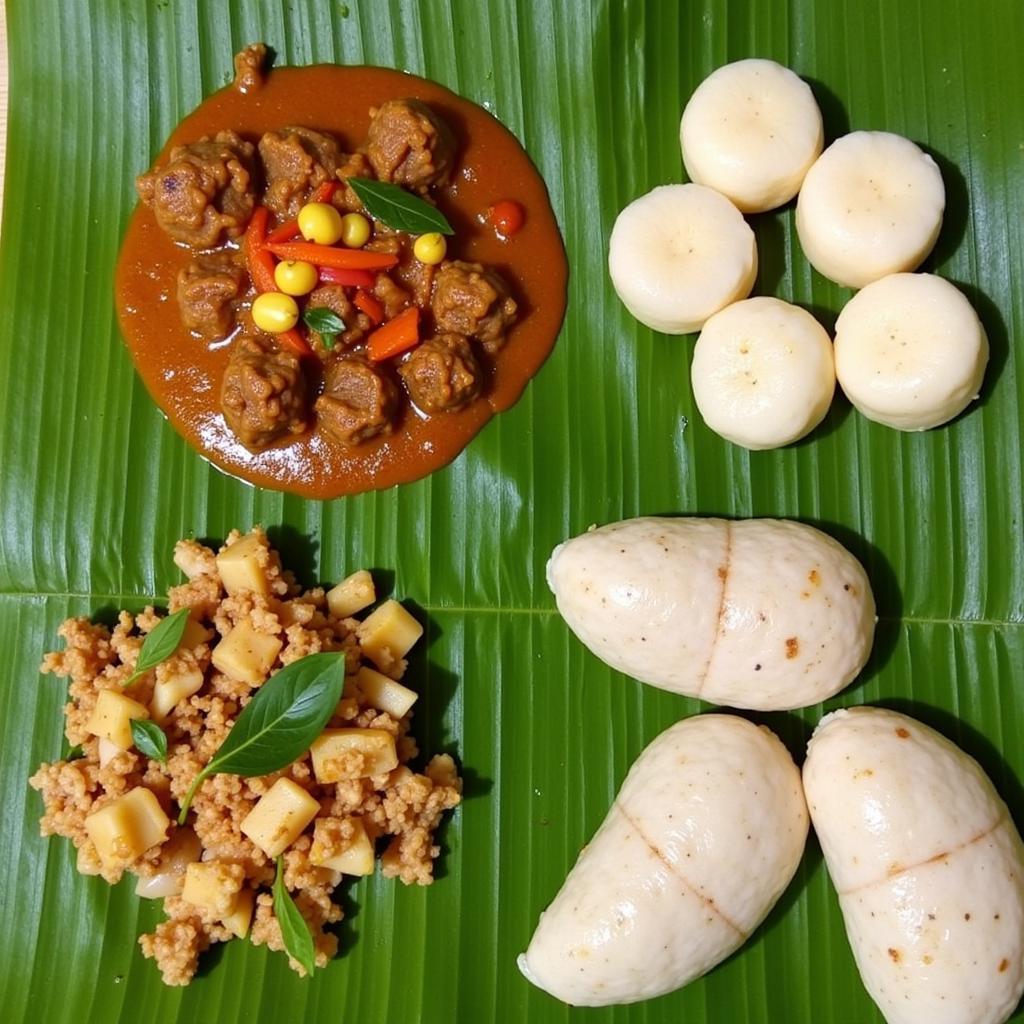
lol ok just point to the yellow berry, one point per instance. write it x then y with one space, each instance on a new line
275 312
430 248
320 223
295 277
355 230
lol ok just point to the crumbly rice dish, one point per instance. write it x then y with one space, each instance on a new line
213 877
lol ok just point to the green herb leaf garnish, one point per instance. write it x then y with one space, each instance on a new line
278 725
399 209
325 322
298 940
149 739
74 753
160 643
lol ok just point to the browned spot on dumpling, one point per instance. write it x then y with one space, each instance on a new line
1003 964
895 955
722 572
792 648
813 577
902 733
926 960
864 773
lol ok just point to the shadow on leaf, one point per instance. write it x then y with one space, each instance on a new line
956 214
298 551
834 118
998 341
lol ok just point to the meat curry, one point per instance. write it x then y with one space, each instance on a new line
284 303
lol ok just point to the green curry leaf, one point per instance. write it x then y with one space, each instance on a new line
278 725
149 739
160 643
298 940
326 323
399 209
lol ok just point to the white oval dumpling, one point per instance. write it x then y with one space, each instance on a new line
766 614
751 130
910 351
928 865
763 373
679 254
871 205
704 836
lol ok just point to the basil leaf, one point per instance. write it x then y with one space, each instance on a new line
75 753
280 723
160 643
399 209
325 322
298 940
149 739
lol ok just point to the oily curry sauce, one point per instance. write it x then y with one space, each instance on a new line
183 372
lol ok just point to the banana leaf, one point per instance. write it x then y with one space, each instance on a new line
95 486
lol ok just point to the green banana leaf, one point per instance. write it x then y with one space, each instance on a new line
95 487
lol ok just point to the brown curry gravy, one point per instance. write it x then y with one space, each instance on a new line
183 373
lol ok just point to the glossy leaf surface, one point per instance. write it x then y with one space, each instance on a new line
96 487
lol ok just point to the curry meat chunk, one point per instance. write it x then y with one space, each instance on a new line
442 374
358 401
297 161
408 144
473 300
335 298
205 192
209 289
264 392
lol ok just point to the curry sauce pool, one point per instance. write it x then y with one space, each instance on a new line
320 408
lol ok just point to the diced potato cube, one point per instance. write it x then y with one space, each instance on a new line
279 817
213 885
172 687
193 635
240 566
388 634
245 654
112 716
351 855
182 849
127 827
352 754
384 693
351 595
240 917
108 751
